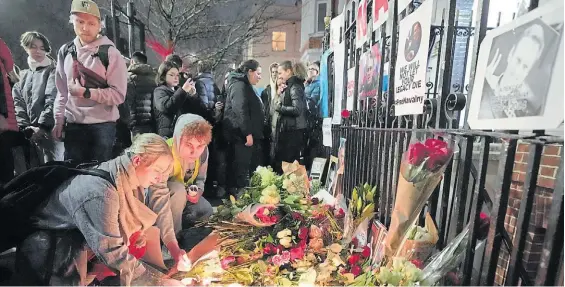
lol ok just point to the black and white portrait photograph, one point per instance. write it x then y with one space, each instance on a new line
518 83
519 71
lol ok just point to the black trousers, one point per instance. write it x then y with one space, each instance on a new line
242 162
289 147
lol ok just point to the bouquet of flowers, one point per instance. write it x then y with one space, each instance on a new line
420 241
360 211
421 170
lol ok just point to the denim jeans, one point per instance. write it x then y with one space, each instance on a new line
89 142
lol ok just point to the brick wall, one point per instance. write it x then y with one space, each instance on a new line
542 203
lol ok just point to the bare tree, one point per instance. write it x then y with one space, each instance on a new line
214 30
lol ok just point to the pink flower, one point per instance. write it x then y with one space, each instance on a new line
286 256
339 213
277 260
297 216
296 253
355 270
366 252
227 261
345 114
270 249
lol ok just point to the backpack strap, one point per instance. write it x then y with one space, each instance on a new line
102 54
99 173
70 48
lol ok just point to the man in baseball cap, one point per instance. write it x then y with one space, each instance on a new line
86 106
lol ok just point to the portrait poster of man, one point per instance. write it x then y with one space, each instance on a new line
519 77
412 61
369 65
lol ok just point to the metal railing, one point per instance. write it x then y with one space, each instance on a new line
376 140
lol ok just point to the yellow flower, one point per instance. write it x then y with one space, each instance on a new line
270 195
284 233
286 242
336 248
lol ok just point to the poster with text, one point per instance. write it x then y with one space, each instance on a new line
339 58
335 30
368 84
362 25
412 61
380 13
350 89
519 77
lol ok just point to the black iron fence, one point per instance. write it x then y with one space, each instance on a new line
479 177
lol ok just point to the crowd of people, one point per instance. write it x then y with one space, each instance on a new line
163 135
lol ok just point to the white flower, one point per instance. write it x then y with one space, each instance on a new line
270 195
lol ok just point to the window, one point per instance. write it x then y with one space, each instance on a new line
321 12
279 41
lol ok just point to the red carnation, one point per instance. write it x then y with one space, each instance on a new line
354 241
345 114
417 153
354 259
270 249
303 233
134 250
418 263
303 244
355 270
366 252
296 253
339 213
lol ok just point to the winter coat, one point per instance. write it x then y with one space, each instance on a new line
167 103
34 95
244 111
293 106
312 93
206 89
6 101
266 98
102 106
141 84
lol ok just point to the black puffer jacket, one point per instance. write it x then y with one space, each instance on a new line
244 113
167 104
141 84
293 106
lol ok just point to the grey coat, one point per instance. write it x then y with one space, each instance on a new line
92 205
34 96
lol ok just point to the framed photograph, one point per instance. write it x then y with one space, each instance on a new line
378 234
331 175
519 77
317 170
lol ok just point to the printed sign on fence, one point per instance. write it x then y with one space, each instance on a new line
350 89
380 13
335 30
339 55
412 61
368 83
327 132
362 25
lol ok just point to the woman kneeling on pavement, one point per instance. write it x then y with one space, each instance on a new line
107 218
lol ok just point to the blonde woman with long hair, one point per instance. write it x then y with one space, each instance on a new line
292 123
88 214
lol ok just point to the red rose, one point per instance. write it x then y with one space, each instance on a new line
437 158
354 259
227 261
339 213
303 243
296 253
435 144
345 114
355 270
240 260
417 153
366 252
303 233
484 226
315 201
418 263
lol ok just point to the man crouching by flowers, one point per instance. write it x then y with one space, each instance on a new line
189 145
